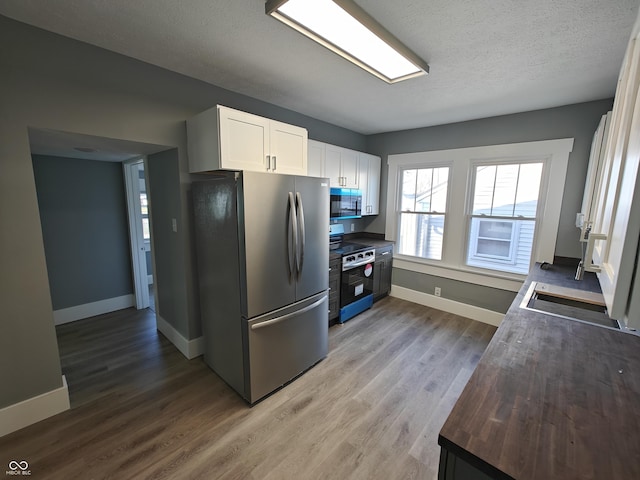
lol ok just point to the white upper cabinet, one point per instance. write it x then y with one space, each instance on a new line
224 138
616 209
315 159
244 141
369 172
288 148
348 169
341 166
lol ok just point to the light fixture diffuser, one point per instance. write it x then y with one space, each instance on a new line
344 28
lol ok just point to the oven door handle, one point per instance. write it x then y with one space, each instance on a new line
359 264
292 234
300 249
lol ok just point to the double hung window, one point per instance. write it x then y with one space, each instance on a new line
502 217
477 213
423 206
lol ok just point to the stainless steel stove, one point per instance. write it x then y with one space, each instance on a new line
356 282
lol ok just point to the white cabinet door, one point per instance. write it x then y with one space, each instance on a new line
288 148
332 165
224 138
341 166
349 168
618 204
369 171
315 159
244 141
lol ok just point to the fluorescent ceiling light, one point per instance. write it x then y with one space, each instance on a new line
346 29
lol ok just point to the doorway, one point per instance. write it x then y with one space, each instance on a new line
138 208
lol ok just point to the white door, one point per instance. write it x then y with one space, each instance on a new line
617 207
315 159
349 168
244 141
137 230
332 165
369 173
288 148
341 166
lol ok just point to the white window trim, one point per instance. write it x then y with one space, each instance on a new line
556 156
445 214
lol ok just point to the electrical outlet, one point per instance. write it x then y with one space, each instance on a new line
353 227
437 292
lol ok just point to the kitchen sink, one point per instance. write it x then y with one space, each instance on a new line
568 303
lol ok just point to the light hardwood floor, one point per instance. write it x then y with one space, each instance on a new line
371 410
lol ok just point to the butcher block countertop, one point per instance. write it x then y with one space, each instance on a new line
551 398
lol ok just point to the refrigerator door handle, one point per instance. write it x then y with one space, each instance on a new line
293 232
300 252
268 323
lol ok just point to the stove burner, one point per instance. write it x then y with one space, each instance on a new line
346 248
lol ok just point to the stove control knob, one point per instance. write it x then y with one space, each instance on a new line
369 254
360 255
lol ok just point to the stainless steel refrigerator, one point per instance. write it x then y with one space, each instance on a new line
263 257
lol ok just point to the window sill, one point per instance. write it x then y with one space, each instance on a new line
502 281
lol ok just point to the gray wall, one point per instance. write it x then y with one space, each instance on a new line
52 82
577 121
84 225
163 188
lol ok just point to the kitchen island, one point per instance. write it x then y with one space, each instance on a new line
551 398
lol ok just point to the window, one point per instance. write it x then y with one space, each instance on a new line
423 205
503 216
479 214
492 239
144 208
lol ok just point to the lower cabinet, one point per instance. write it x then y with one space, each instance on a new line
382 272
335 265
453 467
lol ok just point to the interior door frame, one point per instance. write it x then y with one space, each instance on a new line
136 236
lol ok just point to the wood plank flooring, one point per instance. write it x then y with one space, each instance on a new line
371 410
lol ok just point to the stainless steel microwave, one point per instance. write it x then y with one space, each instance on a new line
345 203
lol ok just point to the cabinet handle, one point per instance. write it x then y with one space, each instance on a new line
268 162
384 253
274 163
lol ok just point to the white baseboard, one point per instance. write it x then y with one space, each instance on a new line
189 348
78 312
30 411
464 310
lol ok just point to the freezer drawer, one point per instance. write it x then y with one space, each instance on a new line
283 346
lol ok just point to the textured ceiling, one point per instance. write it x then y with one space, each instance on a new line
487 57
88 147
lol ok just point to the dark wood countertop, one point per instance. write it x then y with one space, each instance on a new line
374 239
551 398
